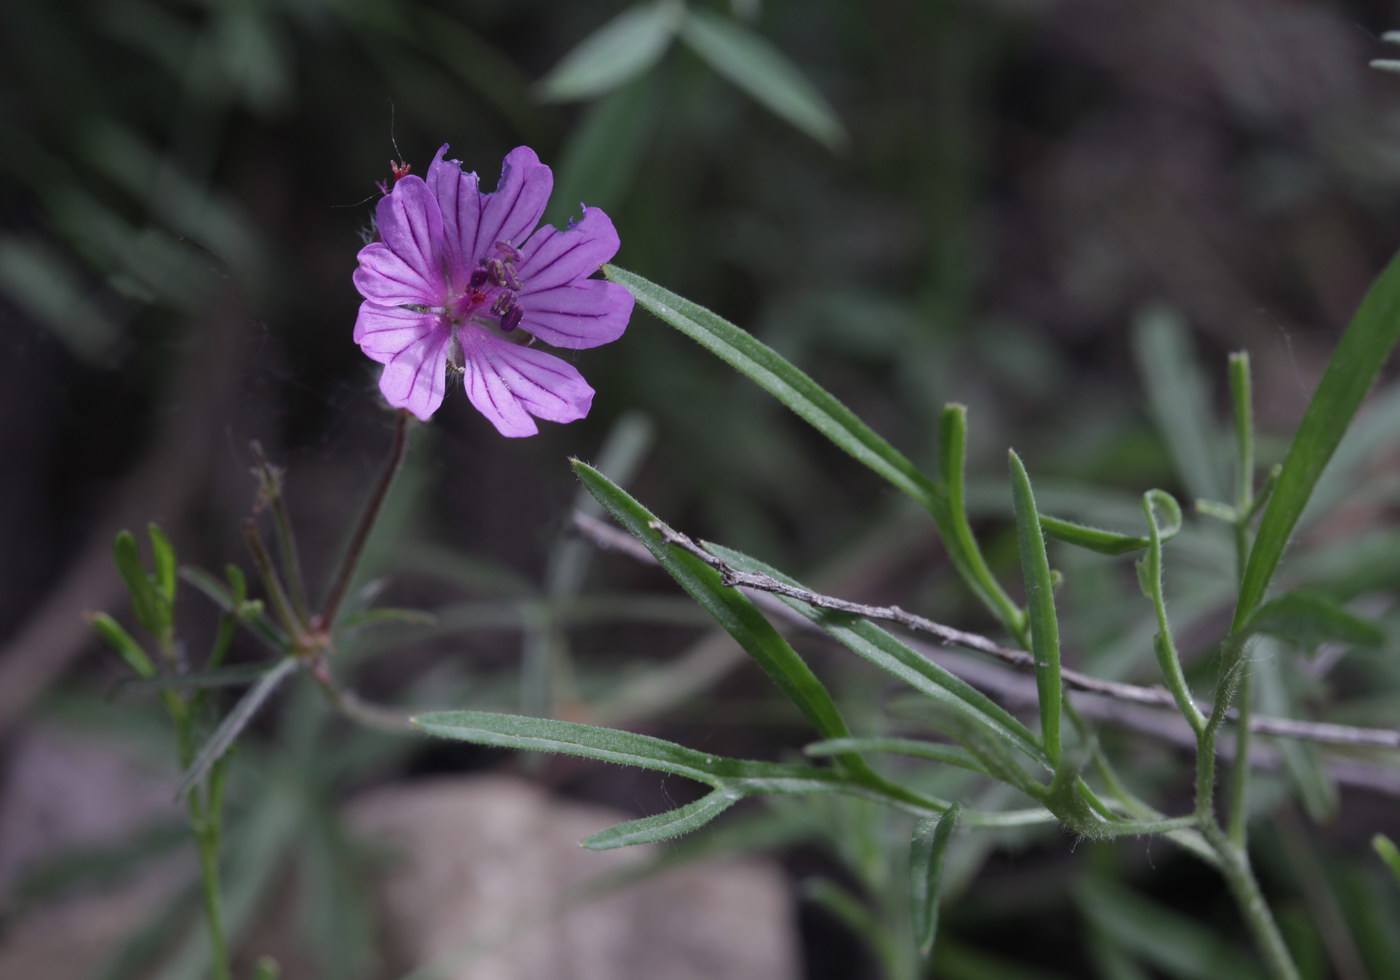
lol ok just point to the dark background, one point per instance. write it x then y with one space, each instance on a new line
186 186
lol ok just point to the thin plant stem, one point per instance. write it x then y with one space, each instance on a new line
1234 867
340 585
1241 396
207 833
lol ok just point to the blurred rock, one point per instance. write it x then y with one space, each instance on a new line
477 857
471 870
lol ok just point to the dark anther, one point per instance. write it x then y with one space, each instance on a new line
478 278
512 319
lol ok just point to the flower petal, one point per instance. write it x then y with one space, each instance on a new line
459 199
407 265
508 383
413 349
512 211
584 314
552 257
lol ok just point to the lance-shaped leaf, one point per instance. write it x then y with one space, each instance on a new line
761 70
616 53
732 779
664 826
1350 373
1111 542
234 722
926 852
775 375
1308 619
1040 608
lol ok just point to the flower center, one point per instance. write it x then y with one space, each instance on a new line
489 298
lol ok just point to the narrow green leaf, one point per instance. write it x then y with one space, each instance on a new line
233 724
1389 853
627 748
1177 944
619 51
138 581
1308 619
1179 400
357 621
163 555
771 372
954 526
1350 373
223 677
887 652
237 583
664 826
599 163
953 755
266 968
761 70
1040 607
1092 538
729 608
120 640
250 614
926 853
1304 765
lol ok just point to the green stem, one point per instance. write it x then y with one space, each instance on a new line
207 834
1234 866
1241 396
340 586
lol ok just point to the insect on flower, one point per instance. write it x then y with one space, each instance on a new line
458 276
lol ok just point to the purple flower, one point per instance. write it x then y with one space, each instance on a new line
458 277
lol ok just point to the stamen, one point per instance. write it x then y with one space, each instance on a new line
512 319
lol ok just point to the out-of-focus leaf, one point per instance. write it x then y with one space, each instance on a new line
120 640
1389 853
250 614
386 614
1308 619
144 599
1170 941
764 72
234 722
47 286
1302 761
600 160
1352 370
163 558
926 850
1179 400
953 755
615 54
